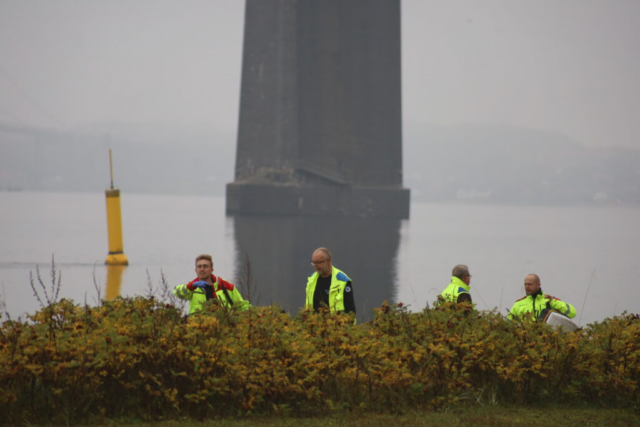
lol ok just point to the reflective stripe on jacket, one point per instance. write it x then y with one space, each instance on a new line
339 281
529 304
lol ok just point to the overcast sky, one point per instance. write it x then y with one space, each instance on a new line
566 66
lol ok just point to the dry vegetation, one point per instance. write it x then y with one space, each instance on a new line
142 359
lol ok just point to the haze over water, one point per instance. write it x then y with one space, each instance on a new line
574 250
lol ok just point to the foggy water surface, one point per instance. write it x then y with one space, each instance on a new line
574 250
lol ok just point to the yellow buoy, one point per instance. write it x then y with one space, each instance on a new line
114 281
114 224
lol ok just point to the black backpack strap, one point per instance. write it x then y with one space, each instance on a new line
226 294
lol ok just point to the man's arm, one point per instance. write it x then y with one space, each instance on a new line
563 307
349 302
231 292
239 302
182 292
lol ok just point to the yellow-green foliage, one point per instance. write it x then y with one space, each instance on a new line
139 358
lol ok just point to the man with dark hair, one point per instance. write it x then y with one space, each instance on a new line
536 301
458 289
328 287
207 286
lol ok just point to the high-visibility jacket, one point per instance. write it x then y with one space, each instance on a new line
455 288
536 303
339 282
198 296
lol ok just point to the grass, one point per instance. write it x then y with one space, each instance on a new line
514 416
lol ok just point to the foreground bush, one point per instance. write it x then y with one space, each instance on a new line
139 358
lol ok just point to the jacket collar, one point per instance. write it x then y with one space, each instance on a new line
456 281
536 294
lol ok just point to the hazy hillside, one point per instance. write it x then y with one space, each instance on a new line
146 160
491 164
515 165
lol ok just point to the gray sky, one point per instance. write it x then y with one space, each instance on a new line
566 66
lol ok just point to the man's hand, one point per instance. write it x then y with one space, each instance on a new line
200 284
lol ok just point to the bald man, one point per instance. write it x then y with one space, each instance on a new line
535 301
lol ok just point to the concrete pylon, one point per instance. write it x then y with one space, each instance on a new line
320 130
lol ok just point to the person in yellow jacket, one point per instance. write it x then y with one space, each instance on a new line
207 286
536 301
329 287
459 288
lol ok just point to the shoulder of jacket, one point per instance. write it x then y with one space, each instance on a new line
521 298
343 277
224 284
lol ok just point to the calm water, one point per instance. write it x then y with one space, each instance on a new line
572 249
